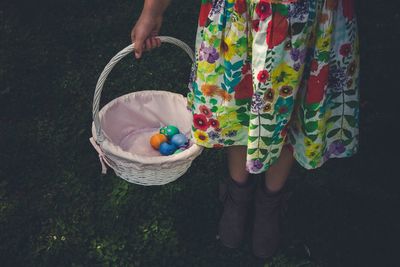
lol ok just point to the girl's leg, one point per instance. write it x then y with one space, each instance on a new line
276 175
236 194
237 163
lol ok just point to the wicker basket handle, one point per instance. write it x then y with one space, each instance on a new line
107 69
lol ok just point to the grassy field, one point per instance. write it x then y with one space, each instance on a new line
56 209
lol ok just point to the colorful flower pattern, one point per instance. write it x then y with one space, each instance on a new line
270 73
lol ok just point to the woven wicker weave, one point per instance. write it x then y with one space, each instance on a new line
130 166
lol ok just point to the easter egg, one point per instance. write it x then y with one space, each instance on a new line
179 140
157 139
163 130
178 151
170 131
167 149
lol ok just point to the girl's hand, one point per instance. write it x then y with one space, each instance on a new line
144 33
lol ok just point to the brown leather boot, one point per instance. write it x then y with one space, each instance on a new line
236 200
269 207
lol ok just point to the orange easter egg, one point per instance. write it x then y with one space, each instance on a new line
157 139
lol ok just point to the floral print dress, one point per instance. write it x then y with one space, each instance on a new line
270 73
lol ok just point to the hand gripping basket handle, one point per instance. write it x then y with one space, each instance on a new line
103 76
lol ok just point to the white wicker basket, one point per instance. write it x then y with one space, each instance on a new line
127 163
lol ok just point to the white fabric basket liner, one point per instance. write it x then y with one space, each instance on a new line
130 120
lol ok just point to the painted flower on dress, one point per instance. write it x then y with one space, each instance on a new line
283 75
201 137
256 103
214 123
244 89
337 78
269 95
200 122
286 91
205 110
240 6
336 148
316 86
348 9
277 30
204 11
345 49
262 76
256 25
263 9
254 165
208 53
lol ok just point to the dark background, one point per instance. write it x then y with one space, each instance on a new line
57 210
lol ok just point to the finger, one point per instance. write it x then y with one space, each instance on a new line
148 44
153 43
138 48
158 42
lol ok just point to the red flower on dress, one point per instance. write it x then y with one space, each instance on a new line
316 86
314 65
204 11
200 122
205 110
277 30
256 24
345 50
214 123
348 9
240 6
263 9
244 89
218 146
262 76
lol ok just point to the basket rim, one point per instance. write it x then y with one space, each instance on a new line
110 148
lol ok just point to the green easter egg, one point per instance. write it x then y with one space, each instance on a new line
163 130
170 131
178 151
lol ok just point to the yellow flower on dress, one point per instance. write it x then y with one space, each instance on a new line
205 67
201 137
324 43
313 150
226 119
228 46
284 75
226 132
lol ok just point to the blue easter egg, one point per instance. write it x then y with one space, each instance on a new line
179 140
167 149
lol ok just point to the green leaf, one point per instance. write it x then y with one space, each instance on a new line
333 132
241 110
323 56
269 127
310 114
311 126
347 133
283 9
351 120
267 116
251 151
333 119
253 126
350 92
352 104
213 101
220 69
266 140
203 100
229 142
214 109
313 137
274 151
253 138
336 105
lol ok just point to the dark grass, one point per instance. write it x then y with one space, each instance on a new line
57 210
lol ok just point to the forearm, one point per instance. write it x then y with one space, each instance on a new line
155 8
